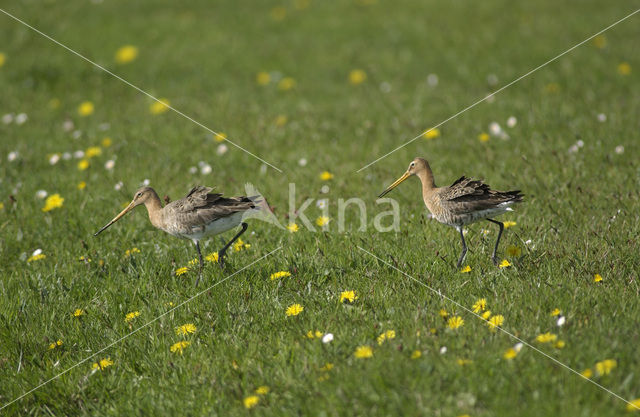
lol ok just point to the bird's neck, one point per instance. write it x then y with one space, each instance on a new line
154 208
426 178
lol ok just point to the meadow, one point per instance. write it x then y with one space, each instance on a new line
319 90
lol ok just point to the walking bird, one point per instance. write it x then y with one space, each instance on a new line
198 215
463 202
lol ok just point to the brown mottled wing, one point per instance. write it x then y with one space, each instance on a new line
466 195
200 207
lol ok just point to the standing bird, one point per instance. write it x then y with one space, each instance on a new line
463 202
198 215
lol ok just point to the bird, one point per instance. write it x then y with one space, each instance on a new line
198 215
463 202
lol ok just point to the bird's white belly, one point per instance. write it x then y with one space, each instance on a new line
215 227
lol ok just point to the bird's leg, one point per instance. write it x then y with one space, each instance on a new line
223 251
464 249
201 263
494 258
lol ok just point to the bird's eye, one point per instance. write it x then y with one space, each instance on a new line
412 164
139 195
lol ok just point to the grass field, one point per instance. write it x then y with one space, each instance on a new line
278 79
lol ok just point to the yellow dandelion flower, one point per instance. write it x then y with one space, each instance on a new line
486 314
597 278
251 401
220 137
159 106
262 390
278 13
600 41
193 262
54 201
286 84
55 344
431 133
484 137
181 271
327 367
322 221
348 296
466 269
83 164
81 185
130 316
263 78
606 366
510 354
102 364
495 321
587 373
509 223
294 309
624 68
514 251
634 405
326 176
240 245
186 329
126 54
130 252
455 322
3 59
292 227
279 274
388 335
556 312
1 206
416 354
504 264
443 313
559 344
480 305
546 338
463 362
363 352
357 76
212 257
37 257
85 108
179 346
106 142
93 151
281 120
78 312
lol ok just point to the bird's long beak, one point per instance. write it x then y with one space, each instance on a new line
115 219
395 184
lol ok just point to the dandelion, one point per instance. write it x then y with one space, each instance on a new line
294 310
181 271
251 401
455 322
510 354
54 201
633 405
484 137
322 221
624 68
388 335
357 76
186 329
431 133
514 251
281 120
85 108
326 176
509 223
93 151
193 262
106 142
559 344
466 269
587 373
83 164
102 364
1 206
546 338
36 256
240 245
78 312
348 296
463 362
416 354
600 41
55 344
363 352
504 264
292 227
556 312
480 305
212 257
159 106
495 321
263 78
3 59
279 274
486 314
443 313
606 366
327 367
131 252
81 185
597 278
126 54
131 316
179 346
262 390
286 84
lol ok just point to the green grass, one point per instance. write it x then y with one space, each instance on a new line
580 211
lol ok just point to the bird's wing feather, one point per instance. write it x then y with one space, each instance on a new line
468 195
